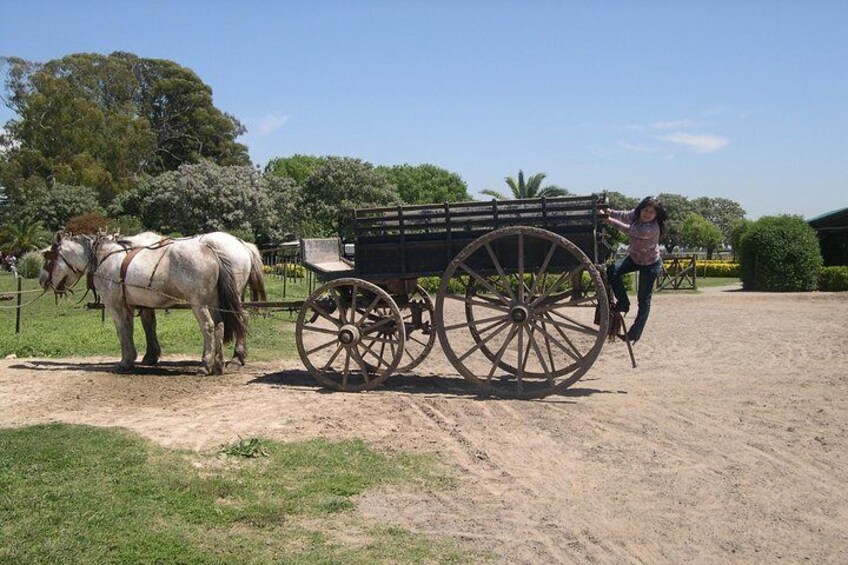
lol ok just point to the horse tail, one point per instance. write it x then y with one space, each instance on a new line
256 279
229 303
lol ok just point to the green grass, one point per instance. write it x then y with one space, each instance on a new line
66 330
716 281
79 494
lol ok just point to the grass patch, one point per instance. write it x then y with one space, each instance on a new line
65 330
79 494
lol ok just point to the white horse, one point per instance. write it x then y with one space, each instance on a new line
161 276
246 262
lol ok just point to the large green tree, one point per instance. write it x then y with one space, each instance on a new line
208 197
700 232
530 189
722 212
298 167
426 184
341 185
100 120
677 207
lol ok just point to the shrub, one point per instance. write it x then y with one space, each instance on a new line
125 225
780 253
833 279
87 224
290 270
715 268
30 264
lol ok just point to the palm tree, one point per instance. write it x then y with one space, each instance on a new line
531 189
25 234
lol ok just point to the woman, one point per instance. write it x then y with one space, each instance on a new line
643 226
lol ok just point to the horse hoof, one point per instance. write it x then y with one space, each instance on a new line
234 364
149 361
124 369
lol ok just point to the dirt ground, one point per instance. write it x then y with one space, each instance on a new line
726 444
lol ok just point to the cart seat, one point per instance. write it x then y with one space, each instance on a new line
324 255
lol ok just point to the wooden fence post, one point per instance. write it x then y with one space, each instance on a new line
18 303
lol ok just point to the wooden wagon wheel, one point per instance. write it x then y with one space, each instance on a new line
527 332
420 333
350 335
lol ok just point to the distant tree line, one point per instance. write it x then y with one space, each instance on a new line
127 143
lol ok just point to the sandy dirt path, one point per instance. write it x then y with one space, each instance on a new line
727 444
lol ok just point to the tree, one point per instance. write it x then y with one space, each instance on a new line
22 235
531 189
100 120
737 229
297 167
720 211
677 207
700 232
202 198
341 185
426 184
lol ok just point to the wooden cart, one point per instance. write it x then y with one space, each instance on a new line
521 310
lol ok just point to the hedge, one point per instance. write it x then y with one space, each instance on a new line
780 253
833 279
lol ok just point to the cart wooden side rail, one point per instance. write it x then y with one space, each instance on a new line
521 310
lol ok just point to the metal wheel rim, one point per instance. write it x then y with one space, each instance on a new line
555 328
363 363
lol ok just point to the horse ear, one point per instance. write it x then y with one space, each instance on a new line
57 238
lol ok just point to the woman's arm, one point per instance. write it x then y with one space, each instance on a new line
621 219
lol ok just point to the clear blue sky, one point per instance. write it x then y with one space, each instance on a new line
742 99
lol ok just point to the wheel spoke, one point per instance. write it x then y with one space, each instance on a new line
543 270
329 363
486 284
320 330
481 344
575 325
353 305
504 320
342 316
520 268
369 310
550 289
567 340
320 347
346 368
320 310
483 321
522 358
558 344
500 354
539 355
481 302
548 348
376 325
500 271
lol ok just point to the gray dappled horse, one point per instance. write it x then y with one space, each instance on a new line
246 263
159 276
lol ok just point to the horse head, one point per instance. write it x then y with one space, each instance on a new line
65 262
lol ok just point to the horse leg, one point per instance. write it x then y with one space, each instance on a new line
239 353
148 320
123 318
207 329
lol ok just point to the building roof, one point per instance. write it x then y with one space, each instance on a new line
834 219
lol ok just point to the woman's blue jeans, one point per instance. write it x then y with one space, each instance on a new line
647 276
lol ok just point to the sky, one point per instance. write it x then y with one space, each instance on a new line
742 99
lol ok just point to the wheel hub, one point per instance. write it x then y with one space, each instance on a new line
349 335
519 314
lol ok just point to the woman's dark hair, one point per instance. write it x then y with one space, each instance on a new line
656 205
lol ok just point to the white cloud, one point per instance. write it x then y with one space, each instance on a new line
267 124
637 147
697 142
675 124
